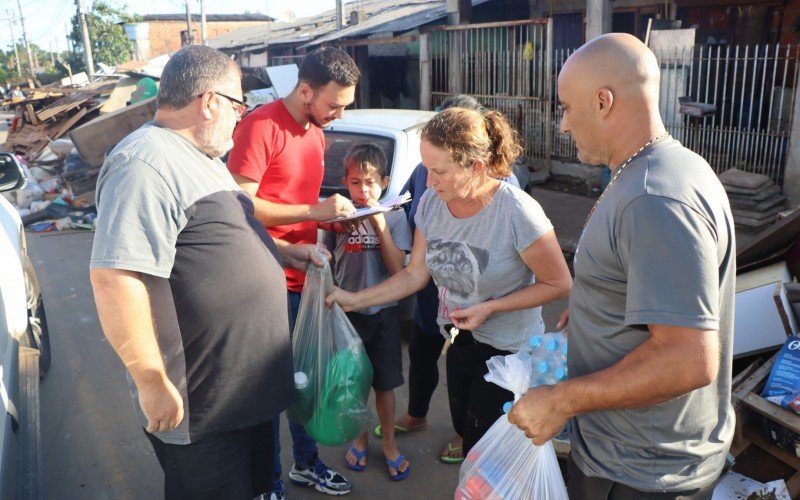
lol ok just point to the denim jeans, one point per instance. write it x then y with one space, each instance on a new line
304 448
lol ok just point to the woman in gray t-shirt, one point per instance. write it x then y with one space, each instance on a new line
491 252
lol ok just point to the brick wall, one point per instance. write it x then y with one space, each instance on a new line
165 36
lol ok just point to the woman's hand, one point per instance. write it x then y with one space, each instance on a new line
346 300
472 317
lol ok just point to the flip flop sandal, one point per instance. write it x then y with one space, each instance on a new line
398 429
448 459
396 466
359 455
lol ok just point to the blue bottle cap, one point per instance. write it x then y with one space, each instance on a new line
536 341
507 406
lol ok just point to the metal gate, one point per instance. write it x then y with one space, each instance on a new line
507 66
752 91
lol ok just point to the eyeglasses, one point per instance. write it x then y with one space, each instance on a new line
239 107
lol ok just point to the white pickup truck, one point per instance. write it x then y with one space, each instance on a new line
24 350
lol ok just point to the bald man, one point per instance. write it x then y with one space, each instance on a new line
647 404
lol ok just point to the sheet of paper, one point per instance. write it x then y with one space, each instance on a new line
385 205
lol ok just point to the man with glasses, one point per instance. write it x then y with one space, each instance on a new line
278 158
204 339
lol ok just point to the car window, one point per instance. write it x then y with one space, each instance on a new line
337 144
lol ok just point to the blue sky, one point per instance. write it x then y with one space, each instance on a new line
46 20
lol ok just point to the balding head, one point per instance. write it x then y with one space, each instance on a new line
618 61
609 89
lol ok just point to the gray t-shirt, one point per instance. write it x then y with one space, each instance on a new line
476 259
359 264
659 249
213 276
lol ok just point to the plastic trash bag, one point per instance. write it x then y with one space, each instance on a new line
332 372
505 464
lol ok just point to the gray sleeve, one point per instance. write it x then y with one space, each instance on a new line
401 231
528 221
138 219
421 217
669 254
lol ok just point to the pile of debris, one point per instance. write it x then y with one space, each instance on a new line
62 170
755 199
50 113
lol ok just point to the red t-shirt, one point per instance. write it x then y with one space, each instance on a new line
288 161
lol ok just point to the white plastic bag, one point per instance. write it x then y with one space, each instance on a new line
505 464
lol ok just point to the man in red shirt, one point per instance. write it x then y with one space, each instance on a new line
278 158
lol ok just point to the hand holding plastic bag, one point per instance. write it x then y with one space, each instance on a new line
505 464
332 371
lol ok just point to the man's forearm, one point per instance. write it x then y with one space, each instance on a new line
123 306
277 214
654 372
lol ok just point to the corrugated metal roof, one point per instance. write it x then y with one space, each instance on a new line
394 18
381 16
212 18
278 33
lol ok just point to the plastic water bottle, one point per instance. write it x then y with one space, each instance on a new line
549 358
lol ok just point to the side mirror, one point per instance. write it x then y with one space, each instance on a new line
11 174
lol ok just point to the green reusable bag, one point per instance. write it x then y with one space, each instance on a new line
332 372
342 413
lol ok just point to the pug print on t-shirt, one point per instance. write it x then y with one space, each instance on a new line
456 267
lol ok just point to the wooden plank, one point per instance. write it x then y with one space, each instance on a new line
93 139
377 41
752 382
31 114
781 415
500 24
68 123
742 375
757 438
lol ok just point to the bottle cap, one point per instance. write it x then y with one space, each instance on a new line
507 406
300 380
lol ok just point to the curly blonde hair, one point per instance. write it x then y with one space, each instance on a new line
468 135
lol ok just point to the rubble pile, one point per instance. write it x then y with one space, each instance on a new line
755 199
49 114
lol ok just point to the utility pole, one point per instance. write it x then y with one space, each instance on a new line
25 38
189 37
203 33
11 21
87 43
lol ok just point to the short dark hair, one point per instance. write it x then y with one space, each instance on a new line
327 64
365 156
461 101
189 72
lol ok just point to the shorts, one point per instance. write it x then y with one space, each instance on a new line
380 333
227 466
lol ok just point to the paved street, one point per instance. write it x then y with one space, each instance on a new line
93 447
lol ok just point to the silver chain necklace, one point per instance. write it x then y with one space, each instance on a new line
619 171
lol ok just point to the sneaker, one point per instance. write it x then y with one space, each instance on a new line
278 492
321 477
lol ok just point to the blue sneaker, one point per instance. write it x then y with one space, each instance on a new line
321 477
278 491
